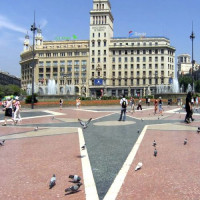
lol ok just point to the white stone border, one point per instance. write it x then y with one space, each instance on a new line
89 183
119 180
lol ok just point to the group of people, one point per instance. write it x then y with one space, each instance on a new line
12 108
189 104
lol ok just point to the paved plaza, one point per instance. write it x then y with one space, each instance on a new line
29 158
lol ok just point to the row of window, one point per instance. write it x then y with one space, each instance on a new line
143 59
99 35
138 44
100 19
63 69
62 63
63 54
138 52
99 43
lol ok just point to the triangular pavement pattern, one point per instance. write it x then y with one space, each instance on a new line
108 148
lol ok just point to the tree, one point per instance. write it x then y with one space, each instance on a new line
197 86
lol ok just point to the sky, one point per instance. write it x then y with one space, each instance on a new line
65 18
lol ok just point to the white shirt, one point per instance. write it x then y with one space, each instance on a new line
123 99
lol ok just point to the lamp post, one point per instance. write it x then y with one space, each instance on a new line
33 28
192 36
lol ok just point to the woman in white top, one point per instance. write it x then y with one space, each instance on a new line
8 110
17 105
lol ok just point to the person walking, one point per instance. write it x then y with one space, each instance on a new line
139 104
123 103
197 102
132 104
160 106
8 110
149 101
78 102
188 108
155 106
17 106
61 103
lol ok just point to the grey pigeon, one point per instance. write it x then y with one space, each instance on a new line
53 118
138 131
2 142
52 181
75 178
198 130
154 143
73 188
83 147
185 141
36 128
158 118
84 124
155 153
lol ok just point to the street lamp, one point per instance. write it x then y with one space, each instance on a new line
192 36
33 28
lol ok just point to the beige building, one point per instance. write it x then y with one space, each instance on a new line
103 65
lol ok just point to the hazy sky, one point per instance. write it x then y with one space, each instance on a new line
170 18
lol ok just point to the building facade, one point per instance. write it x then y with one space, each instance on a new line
102 65
8 79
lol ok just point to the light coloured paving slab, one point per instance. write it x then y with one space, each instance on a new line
40 132
114 123
171 127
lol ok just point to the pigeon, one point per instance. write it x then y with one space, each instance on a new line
84 124
75 178
2 142
154 143
36 128
158 118
73 188
83 147
142 120
52 181
185 141
198 130
139 165
155 152
138 131
53 118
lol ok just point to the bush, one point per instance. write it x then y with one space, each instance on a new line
29 99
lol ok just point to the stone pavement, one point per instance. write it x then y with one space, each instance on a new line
29 158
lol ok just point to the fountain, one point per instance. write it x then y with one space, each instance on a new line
189 88
52 87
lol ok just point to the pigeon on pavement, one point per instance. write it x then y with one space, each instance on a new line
36 128
139 165
154 143
83 147
2 142
138 131
73 188
53 118
155 152
84 124
198 130
52 181
75 178
185 141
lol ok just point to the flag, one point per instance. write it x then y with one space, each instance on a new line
130 33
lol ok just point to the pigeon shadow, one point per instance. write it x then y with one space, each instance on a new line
72 193
81 156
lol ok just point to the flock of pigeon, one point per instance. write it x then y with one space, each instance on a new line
74 188
75 178
139 165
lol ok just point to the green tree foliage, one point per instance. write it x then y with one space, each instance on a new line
6 90
197 86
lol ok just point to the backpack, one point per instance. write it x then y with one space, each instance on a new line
124 104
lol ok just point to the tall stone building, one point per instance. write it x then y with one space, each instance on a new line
103 65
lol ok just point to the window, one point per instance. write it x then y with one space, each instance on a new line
69 53
104 66
138 51
156 51
119 74
92 60
144 51
144 66
55 69
62 54
125 82
119 59
144 59
126 52
41 64
41 54
104 43
104 59
150 66
76 62
120 67
113 67
113 82
126 66
138 59
125 59
93 52
99 60
83 69
144 81
48 63
113 74
93 44
41 70
99 52
138 66
113 52
76 53
55 63
55 54
150 51
99 35
104 34
131 66
150 59
132 52
104 52
48 70
138 81
62 63
84 62
99 43
113 60
156 59
104 74
131 81
156 66
84 53
48 54
93 67
119 82
92 73
162 51
93 35
132 59
120 52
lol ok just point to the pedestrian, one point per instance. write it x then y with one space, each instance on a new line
139 104
188 108
160 106
61 103
17 108
8 110
78 102
155 106
149 101
132 104
192 101
146 101
123 103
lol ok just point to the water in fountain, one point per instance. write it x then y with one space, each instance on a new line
51 87
173 88
189 88
70 89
